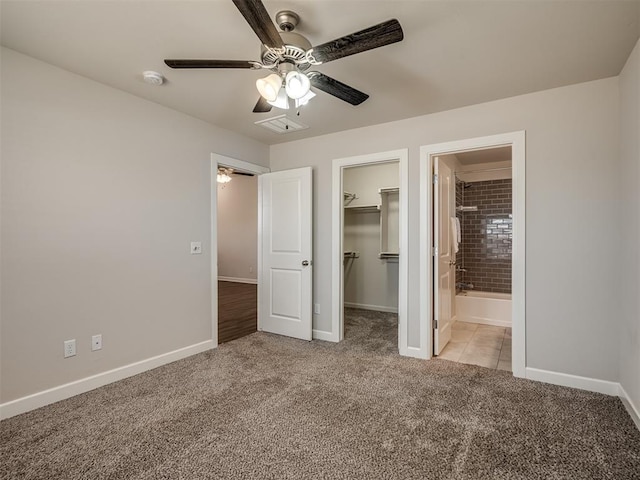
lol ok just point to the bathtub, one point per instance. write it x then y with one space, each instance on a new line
484 307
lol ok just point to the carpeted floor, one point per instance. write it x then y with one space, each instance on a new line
270 407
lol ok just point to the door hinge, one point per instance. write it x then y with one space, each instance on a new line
435 324
435 178
434 251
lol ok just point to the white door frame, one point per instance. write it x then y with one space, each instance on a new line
517 142
221 160
337 257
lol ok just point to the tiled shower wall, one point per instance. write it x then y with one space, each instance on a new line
487 235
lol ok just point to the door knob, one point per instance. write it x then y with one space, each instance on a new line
305 263
452 263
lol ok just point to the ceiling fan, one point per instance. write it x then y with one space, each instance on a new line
224 174
289 55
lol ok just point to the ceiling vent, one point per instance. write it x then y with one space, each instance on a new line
282 124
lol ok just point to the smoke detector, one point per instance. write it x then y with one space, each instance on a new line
153 78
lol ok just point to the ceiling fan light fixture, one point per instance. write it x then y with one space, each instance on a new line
304 100
224 175
297 84
282 101
269 86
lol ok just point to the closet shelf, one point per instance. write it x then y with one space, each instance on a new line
388 255
362 208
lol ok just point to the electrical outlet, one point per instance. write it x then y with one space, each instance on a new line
196 248
96 342
316 308
69 348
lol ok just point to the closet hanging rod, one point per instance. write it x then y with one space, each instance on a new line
481 171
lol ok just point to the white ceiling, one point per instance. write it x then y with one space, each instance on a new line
454 53
488 155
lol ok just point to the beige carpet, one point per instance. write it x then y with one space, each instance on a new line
269 407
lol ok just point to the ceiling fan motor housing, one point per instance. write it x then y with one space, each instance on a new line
295 50
287 20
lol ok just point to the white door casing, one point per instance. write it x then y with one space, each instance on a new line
286 275
444 259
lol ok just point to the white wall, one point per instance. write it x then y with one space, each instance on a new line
572 190
629 177
101 194
369 282
238 228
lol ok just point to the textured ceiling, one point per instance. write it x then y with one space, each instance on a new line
454 53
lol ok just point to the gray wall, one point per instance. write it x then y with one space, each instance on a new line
238 228
101 194
572 298
630 234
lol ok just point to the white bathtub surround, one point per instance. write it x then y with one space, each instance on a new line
486 308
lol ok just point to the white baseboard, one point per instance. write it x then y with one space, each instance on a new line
375 308
573 381
323 335
238 280
485 321
415 352
55 394
631 408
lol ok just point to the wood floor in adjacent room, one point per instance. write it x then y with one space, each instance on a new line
237 310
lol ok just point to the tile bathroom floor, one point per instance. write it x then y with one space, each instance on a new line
477 344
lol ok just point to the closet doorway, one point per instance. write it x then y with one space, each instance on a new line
370 250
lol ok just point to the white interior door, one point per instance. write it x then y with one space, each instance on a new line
444 259
286 274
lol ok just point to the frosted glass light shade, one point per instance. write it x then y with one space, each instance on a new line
297 84
282 101
223 178
304 100
269 86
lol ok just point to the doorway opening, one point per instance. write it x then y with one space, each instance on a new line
371 252
237 254
235 264
472 269
473 238
370 239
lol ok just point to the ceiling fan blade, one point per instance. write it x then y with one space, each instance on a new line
210 64
258 19
336 88
384 33
246 174
262 106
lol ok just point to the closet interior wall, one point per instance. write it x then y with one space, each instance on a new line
370 282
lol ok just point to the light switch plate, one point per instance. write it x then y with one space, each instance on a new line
196 248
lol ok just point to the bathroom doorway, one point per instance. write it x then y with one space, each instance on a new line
473 220
472 268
